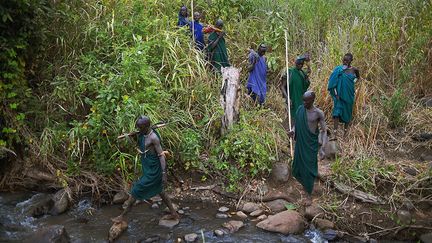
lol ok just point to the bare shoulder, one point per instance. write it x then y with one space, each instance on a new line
319 112
154 138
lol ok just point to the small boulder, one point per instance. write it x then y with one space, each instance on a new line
404 216
241 215
168 222
312 211
329 234
277 205
191 237
233 225
256 213
426 238
37 206
120 197
280 172
323 224
249 207
223 209
286 222
221 216
51 234
262 217
61 202
118 227
426 156
219 232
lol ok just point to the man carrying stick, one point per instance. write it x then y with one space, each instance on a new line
153 165
305 132
216 48
298 84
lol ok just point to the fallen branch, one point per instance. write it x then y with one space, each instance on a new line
362 196
210 187
267 198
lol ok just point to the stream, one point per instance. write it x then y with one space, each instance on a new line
84 222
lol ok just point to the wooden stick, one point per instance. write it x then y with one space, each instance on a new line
288 91
193 25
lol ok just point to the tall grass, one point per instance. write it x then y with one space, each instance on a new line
113 60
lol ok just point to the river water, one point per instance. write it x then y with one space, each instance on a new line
85 222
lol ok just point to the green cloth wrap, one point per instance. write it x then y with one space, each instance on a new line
219 54
305 164
344 85
150 183
298 85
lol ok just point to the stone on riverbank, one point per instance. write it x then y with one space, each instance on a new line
286 222
51 234
233 225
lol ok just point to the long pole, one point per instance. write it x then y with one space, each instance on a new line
288 91
192 22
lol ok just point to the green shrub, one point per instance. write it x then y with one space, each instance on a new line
248 149
394 108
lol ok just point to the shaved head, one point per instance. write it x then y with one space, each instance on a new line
309 93
219 23
143 123
308 99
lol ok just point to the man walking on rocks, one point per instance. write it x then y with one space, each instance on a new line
153 163
305 133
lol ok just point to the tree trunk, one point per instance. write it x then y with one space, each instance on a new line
230 97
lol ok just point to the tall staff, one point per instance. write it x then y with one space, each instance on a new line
192 22
288 91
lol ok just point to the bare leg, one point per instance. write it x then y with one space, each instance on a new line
126 208
168 202
336 125
346 125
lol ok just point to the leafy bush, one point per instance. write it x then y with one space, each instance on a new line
394 108
248 150
361 173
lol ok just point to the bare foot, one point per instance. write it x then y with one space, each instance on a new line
128 202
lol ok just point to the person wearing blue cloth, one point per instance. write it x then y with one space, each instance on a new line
183 17
198 31
341 86
257 83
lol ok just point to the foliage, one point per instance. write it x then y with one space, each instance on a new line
75 74
362 172
394 108
248 150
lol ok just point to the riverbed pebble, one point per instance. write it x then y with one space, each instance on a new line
223 209
241 215
191 237
219 232
286 222
155 206
323 224
249 207
256 213
313 210
221 216
277 205
233 225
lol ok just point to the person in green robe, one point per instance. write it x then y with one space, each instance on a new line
341 86
216 48
307 142
298 84
153 178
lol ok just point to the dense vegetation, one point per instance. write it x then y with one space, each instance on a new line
76 74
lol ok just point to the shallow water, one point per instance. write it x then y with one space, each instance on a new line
86 223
